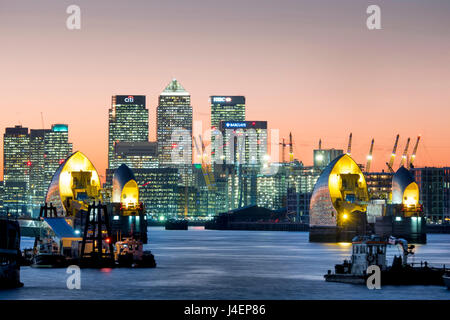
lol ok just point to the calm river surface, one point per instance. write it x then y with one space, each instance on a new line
206 264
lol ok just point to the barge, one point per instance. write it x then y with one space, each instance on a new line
175 224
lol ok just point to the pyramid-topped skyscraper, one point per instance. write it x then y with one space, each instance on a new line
174 126
174 88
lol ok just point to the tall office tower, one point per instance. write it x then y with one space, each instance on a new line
244 142
57 149
434 192
174 116
16 170
37 186
48 149
128 122
225 108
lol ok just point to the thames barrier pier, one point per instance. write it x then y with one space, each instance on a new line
339 202
340 207
84 226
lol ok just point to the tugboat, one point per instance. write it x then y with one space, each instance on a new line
10 255
47 255
53 248
129 253
371 250
176 224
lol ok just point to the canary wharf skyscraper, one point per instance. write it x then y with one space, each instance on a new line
174 115
16 170
30 160
225 108
128 122
48 149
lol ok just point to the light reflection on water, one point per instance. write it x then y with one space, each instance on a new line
206 264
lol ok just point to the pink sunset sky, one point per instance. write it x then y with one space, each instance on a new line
310 67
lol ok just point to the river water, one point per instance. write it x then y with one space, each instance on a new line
209 264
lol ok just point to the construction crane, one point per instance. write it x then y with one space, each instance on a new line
413 155
283 148
369 156
405 154
349 148
291 148
394 151
206 168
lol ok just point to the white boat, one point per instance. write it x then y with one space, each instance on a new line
371 250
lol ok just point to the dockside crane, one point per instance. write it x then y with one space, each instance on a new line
394 151
413 155
369 156
404 159
349 148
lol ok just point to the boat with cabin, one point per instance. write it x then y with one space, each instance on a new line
371 251
130 252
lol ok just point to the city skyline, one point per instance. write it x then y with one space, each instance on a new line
330 76
380 159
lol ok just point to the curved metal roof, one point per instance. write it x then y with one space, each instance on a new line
400 181
341 188
60 187
121 176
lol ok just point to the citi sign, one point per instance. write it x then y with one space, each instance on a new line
129 99
221 99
